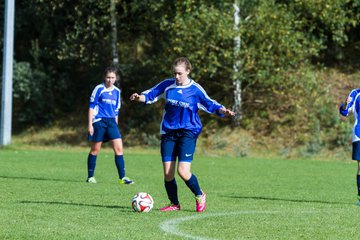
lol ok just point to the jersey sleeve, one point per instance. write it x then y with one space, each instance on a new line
118 104
94 98
155 93
207 104
350 107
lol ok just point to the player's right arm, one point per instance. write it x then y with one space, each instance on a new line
153 94
347 106
94 99
90 118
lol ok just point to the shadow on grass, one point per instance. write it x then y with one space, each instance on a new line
287 200
128 209
124 209
41 179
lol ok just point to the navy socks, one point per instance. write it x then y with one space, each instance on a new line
91 164
171 189
120 164
119 161
194 186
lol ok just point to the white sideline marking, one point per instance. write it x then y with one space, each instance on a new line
171 226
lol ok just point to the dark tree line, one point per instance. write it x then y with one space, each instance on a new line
62 47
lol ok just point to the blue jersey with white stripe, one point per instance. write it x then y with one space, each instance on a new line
354 107
181 105
105 103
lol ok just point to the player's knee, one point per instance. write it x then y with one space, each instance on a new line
169 176
184 173
118 151
95 151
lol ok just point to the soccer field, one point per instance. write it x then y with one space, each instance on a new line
44 196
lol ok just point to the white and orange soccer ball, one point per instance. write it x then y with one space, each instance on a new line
142 202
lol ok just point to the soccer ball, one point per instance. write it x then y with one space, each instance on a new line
142 202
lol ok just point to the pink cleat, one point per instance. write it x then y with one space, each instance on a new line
201 202
170 207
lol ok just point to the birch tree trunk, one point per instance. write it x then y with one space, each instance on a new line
114 53
236 67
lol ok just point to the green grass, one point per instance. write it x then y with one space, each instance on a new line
44 196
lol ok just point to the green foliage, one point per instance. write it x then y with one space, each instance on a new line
272 44
208 42
33 102
326 20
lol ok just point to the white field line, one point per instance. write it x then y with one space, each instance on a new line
171 226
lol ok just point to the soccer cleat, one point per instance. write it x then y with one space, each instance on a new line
91 180
170 207
358 203
126 180
201 202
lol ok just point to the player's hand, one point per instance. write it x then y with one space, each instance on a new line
135 97
348 100
227 112
91 130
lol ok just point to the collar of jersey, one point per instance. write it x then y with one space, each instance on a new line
108 89
185 86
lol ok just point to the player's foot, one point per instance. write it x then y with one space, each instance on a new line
91 180
201 202
126 180
170 207
358 203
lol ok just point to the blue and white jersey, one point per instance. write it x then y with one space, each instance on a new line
354 107
105 103
181 105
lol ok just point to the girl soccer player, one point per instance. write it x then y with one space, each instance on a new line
180 128
352 104
103 113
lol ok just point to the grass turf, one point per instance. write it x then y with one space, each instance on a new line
44 196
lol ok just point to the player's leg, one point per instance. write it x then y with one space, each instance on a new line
96 143
356 157
358 181
114 135
168 154
120 162
187 145
170 186
192 182
91 161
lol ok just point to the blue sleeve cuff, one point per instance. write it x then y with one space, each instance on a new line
342 111
218 113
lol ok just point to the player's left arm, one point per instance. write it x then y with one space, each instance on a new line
227 112
212 106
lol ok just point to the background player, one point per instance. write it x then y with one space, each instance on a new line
352 104
105 102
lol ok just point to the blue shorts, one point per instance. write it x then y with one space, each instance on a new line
179 144
356 150
104 130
